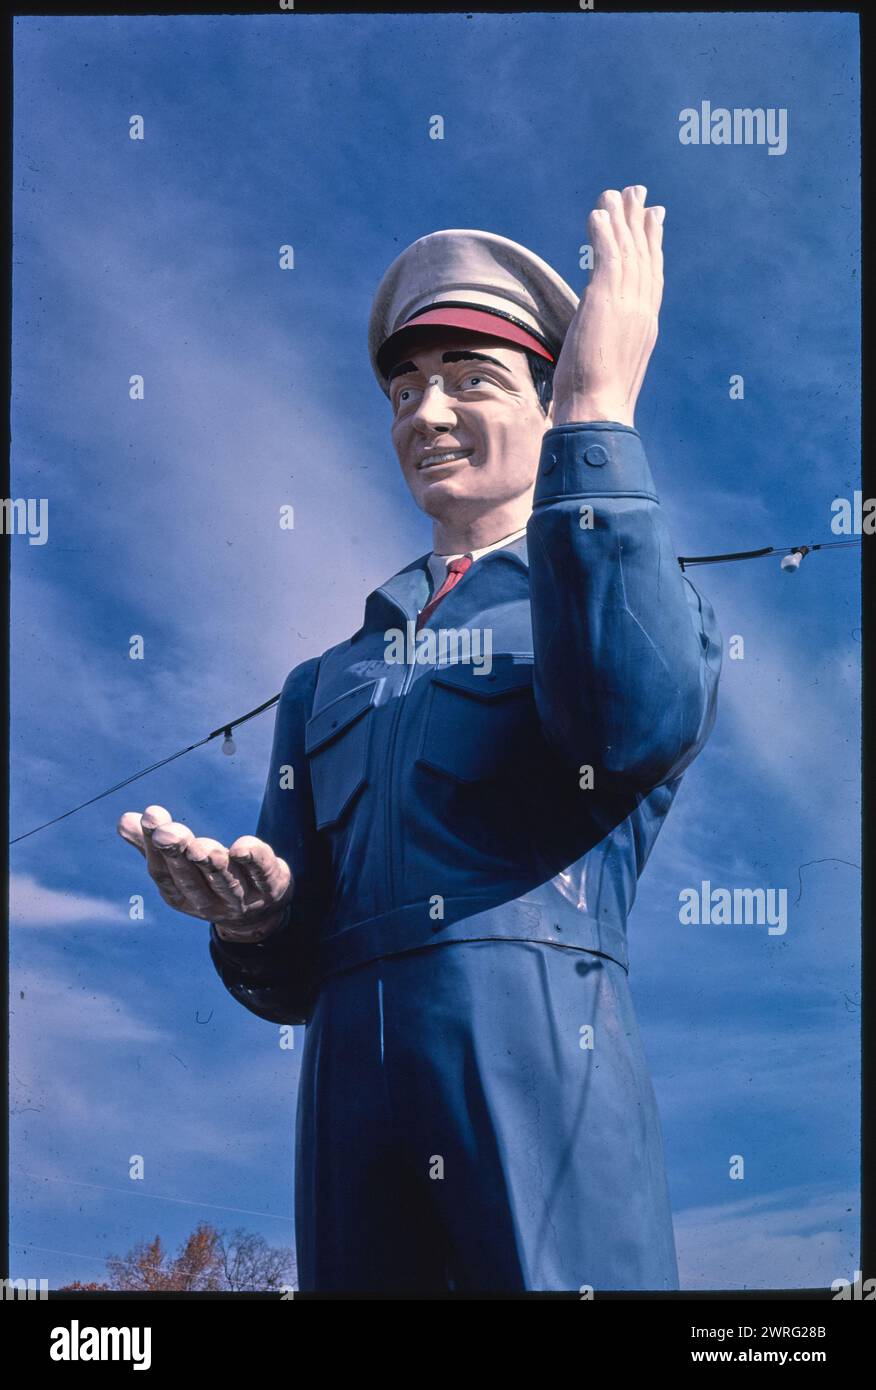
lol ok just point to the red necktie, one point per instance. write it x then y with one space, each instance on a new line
455 570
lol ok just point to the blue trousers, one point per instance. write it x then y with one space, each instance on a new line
456 1131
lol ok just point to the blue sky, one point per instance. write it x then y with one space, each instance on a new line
160 257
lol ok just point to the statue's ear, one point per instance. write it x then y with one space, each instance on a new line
549 415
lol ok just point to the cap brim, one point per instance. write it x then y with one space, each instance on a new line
480 321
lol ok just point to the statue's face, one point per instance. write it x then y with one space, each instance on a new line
471 398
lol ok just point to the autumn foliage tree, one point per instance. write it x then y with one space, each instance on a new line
207 1260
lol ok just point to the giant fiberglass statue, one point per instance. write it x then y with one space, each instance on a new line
479 774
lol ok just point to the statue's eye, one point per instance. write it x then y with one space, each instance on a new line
476 379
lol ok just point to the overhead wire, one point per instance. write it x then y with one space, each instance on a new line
685 561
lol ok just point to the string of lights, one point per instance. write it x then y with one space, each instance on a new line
227 747
792 556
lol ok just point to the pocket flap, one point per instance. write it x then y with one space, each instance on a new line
508 673
338 715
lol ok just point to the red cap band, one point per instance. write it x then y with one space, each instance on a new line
477 320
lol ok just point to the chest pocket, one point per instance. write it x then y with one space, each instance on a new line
336 744
475 726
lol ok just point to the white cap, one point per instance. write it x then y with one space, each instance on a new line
473 280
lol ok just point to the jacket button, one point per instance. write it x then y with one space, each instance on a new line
596 456
549 463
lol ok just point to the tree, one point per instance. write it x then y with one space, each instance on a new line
148 1267
207 1259
78 1287
248 1262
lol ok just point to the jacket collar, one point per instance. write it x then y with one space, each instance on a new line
408 591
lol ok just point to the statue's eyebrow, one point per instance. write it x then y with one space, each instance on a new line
475 356
401 370
456 356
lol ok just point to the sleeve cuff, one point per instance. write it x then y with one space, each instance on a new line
252 955
602 458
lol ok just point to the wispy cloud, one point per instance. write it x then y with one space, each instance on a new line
784 1240
33 904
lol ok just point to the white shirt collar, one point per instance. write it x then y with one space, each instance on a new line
438 562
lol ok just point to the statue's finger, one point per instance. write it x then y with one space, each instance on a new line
255 861
168 843
633 199
607 263
153 818
613 204
211 858
654 233
130 828
188 881
633 203
170 838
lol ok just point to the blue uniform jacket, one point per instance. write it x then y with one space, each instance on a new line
437 802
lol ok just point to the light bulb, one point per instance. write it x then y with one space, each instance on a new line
792 562
228 745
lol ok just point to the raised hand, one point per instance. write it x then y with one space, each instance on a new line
243 889
609 343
